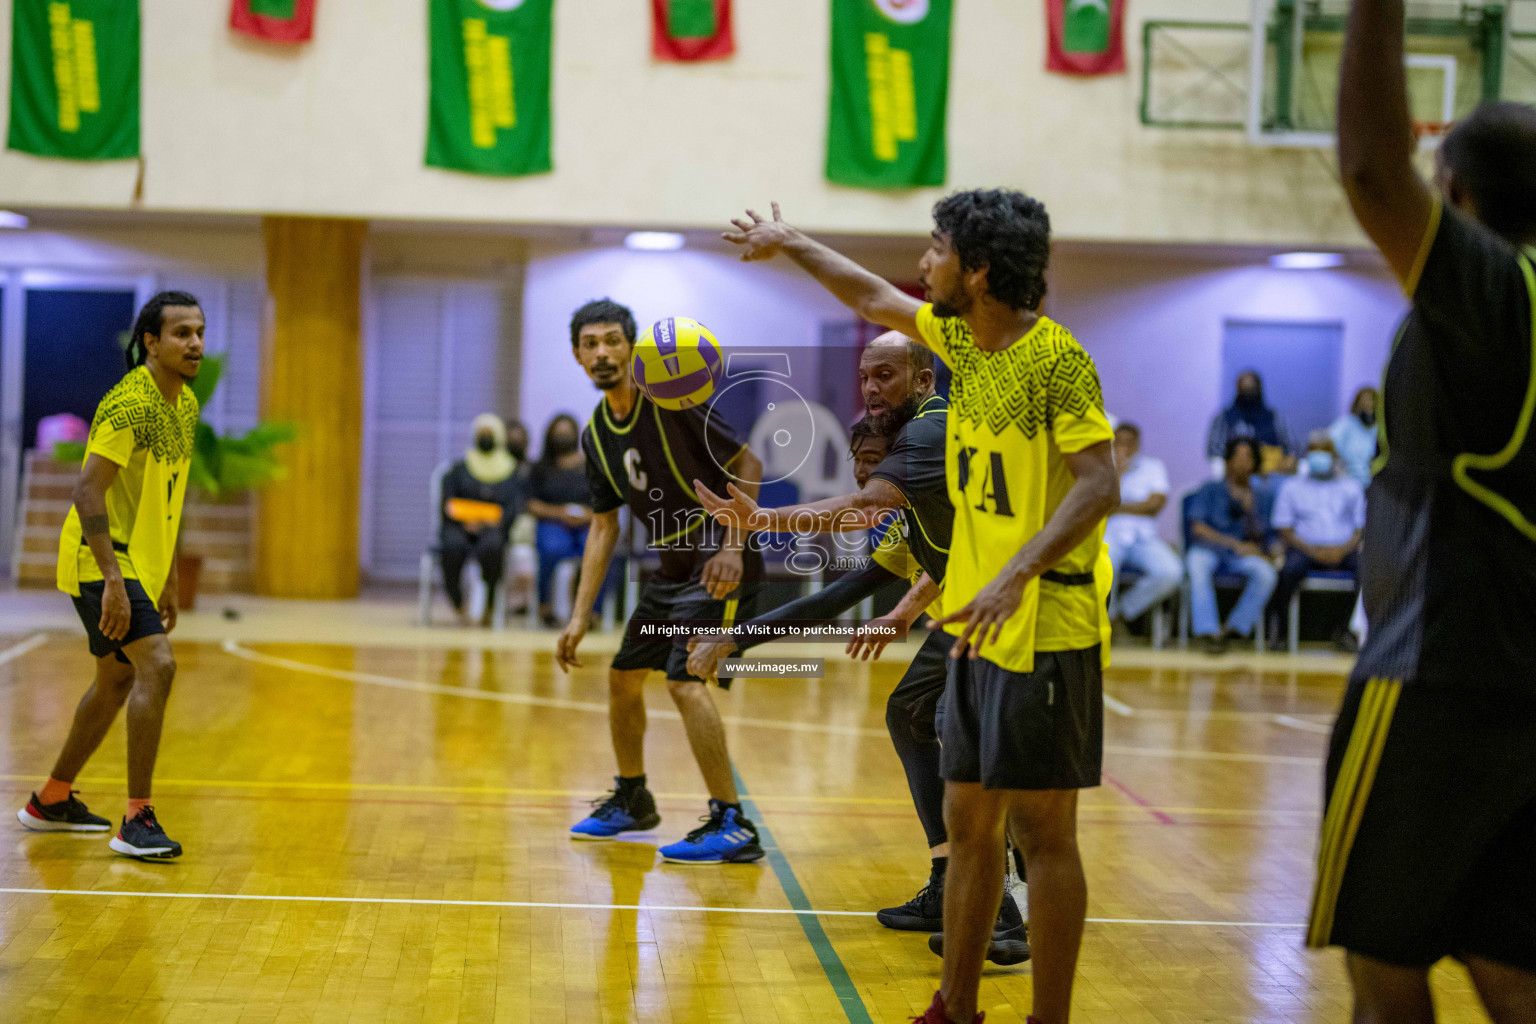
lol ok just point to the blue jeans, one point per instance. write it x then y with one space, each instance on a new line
1160 575
1204 565
555 543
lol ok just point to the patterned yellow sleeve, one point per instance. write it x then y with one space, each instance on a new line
113 435
1074 400
930 330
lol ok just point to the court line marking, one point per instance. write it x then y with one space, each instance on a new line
515 905
831 964
390 682
1125 710
586 794
15 651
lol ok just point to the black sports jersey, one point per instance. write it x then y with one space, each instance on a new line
1449 555
914 465
649 461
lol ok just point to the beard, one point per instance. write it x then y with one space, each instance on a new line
892 420
612 377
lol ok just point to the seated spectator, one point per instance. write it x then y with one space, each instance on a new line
523 563
1228 531
1354 436
481 497
1320 515
1248 416
561 501
1132 530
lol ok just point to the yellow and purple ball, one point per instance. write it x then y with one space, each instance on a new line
677 363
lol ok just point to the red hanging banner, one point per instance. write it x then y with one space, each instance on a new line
688 30
276 21
1086 37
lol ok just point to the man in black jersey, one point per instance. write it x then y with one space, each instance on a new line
1429 840
647 458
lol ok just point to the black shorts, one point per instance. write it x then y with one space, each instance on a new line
1025 730
915 701
143 617
670 602
1429 840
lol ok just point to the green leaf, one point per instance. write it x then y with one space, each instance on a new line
207 379
207 460
70 453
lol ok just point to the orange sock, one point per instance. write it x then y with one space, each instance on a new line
53 791
135 806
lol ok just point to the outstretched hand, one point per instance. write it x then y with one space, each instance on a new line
985 614
738 511
760 239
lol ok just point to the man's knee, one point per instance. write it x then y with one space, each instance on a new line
687 691
973 814
626 684
908 725
1043 818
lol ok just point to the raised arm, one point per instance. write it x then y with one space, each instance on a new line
867 294
90 500
1376 143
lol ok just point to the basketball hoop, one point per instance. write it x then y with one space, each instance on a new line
1428 135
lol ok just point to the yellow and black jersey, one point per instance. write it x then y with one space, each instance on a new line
150 440
1448 563
1013 414
649 461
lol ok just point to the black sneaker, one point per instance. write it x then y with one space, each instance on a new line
922 913
143 838
65 816
1010 936
624 810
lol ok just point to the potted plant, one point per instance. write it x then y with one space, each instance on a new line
223 466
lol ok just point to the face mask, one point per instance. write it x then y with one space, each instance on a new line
519 449
486 443
562 444
1250 399
1320 464
1368 418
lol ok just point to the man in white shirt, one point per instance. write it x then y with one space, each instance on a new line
1132 530
1320 515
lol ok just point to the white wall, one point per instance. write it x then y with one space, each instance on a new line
1154 327
337 128
763 305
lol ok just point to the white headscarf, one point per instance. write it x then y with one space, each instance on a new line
496 465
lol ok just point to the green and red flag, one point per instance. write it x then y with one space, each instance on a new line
1086 36
890 93
687 30
276 21
489 106
75 78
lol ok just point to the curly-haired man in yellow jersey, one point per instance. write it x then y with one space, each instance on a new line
1031 475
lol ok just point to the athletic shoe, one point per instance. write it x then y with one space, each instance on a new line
65 816
1010 936
936 1014
922 913
142 837
624 810
726 837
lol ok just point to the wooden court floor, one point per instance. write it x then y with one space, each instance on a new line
378 834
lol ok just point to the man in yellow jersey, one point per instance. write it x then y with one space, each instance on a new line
1428 844
1031 475
117 559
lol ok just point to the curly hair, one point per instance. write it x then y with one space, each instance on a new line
1492 154
1004 231
602 311
151 321
866 429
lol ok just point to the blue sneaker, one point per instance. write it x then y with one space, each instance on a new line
631 810
726 837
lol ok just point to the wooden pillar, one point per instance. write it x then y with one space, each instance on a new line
307 525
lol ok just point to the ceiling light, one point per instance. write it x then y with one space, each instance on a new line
11 220
1307 260
654 241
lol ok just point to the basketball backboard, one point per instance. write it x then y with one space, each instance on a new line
1454 60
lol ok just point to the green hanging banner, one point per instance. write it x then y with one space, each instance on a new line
75 78
489 108
890 93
